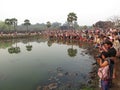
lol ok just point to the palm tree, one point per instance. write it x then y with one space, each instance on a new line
14 22
27 23
71 18
8 22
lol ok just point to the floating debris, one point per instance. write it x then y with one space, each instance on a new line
52 86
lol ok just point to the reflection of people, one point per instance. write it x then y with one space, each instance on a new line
103 71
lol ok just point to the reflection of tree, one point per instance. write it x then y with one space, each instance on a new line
49 43
15 49
72 52
5 44
28 47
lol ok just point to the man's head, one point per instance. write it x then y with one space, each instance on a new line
108 44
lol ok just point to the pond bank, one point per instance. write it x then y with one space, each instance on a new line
116 81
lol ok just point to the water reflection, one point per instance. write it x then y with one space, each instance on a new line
15 49
71 51
28 46
48 65
49 43
12 50
5 44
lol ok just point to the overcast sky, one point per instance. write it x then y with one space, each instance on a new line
41 11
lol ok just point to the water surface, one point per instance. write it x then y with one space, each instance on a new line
43 65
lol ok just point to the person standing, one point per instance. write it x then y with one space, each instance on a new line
104 71
108 47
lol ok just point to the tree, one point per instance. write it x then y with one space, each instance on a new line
104 24
76 26
84 27
3 26
27 23
48 24
71 18
8 22
14 22
55 25
116 20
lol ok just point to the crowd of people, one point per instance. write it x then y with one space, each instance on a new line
109 50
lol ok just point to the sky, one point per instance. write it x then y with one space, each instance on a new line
41 11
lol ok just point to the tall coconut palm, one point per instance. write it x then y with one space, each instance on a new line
71 18
8 22
27 23
14 23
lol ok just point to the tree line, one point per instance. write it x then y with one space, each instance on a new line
11 24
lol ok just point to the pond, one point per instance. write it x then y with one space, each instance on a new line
47 64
